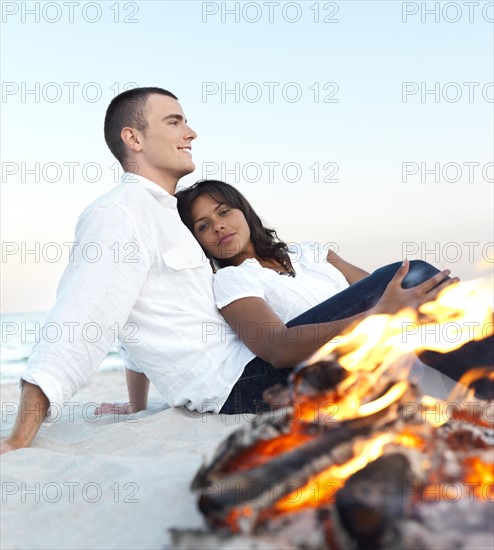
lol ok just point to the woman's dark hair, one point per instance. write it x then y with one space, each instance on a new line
128 109
265 241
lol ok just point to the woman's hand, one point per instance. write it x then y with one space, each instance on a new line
116 408
395 297
351 272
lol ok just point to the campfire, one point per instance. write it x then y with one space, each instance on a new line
354 455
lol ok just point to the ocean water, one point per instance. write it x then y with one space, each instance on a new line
18 332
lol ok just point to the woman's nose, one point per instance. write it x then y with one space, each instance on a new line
218 225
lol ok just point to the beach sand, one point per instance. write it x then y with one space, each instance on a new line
105 482
111 481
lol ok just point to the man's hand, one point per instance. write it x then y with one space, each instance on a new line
395 297
116 408
7 445
32 411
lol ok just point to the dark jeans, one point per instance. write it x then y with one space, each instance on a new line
258 375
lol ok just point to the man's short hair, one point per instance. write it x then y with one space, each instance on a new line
128 109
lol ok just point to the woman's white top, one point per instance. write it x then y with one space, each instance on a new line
316 280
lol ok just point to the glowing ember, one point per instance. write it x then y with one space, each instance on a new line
263 451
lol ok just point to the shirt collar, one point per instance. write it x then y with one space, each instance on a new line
162 196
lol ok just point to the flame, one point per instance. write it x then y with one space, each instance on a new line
381 346
392 395
460 313
377 354
483 264
433 404
480 476
408 439
321 488
377 348
460 391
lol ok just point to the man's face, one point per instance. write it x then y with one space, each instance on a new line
166 143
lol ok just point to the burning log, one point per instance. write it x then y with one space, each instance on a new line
317 378
359 459
234 483
291 469
372 499
269 428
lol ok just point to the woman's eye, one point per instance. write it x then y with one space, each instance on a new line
225 211
202 227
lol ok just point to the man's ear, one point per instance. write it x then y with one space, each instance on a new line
132 138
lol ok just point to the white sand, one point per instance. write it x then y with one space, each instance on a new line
112 482
137 470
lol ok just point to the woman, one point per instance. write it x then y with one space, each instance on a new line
284 302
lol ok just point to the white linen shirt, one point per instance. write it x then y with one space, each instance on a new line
138 275
316 280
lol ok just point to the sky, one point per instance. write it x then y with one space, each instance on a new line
364 126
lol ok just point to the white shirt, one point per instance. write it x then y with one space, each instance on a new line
316 280
139 276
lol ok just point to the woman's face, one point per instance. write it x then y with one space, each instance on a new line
221 230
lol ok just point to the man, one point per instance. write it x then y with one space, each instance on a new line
151 285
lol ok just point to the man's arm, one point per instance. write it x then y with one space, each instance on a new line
33 407
98 293
138 387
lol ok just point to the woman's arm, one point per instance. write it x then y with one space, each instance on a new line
265 334
351 272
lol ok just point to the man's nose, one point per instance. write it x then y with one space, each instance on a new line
190 133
